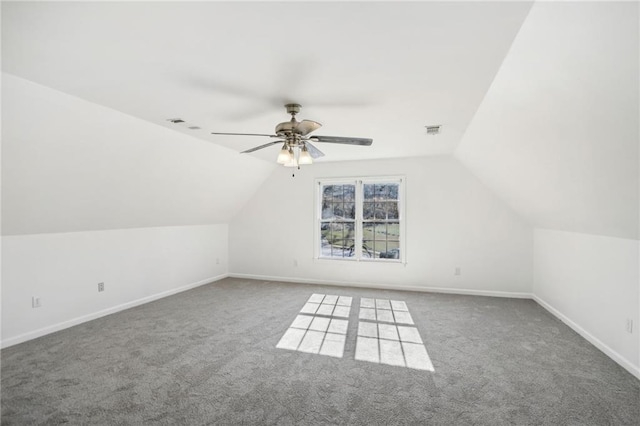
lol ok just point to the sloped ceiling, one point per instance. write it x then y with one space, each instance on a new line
366 69
71 165
557 134
550 122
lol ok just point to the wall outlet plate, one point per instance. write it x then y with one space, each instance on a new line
100 286
35 302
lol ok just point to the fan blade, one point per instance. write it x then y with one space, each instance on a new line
342 140
266 145
244 134
313 151
307 126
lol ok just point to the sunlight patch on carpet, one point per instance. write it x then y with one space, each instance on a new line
319 328
386 332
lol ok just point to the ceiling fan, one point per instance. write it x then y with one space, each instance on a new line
297 149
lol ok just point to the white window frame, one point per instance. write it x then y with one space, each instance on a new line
359 182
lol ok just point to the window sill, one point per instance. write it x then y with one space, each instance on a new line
353 261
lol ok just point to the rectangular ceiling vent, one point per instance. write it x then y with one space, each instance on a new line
194 127
433 130
176 120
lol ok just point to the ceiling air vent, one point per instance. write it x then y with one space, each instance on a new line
433 130
194 127
175 120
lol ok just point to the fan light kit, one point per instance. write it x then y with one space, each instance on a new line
296 148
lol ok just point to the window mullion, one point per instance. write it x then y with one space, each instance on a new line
359 215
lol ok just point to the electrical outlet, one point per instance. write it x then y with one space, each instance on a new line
35 302
629 325
217 260
295 263
457 271
100 287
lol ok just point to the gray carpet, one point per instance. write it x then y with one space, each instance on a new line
208 356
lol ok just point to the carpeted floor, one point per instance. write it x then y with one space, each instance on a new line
208 356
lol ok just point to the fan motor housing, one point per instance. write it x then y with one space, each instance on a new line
288 128
285 127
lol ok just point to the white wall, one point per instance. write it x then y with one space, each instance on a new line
591 283
452 220
136 266
556 138
90 195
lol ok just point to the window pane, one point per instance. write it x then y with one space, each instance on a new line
368 190
392 210
324 230
393 231
393 191
327 193
380 213
338 211
337 192
368 210
339 243
368 231
325 246
350 210
337 239
349 248
391 253
349 192
333 202
381 191
379 247
327 210
393 245
367 248
349 230
335 232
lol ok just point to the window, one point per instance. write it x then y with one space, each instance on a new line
360 219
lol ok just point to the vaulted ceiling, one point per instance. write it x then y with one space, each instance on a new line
382 70
557 135
538 100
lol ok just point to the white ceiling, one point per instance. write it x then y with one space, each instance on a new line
382 70
70 165
541 103
557 136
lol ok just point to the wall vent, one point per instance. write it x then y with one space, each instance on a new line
433 130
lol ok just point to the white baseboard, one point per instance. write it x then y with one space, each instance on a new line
623 362
79 320
626 364
469 292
